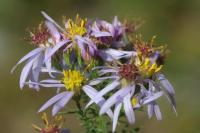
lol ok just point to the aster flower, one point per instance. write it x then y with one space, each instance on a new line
110 37
124 88
125 80
73 83
109 33
44 38
77 36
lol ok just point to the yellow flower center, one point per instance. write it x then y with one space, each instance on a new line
73 80
76 27
146 68
134 101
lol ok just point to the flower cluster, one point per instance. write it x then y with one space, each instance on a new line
107 62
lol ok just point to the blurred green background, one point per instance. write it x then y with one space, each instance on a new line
175 22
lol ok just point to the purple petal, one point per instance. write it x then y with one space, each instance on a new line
112 54
56 47
114 99
50 81
48 61
43 69
53 85
92 49
172 101
153 97
52 101
91 92
129 109
102 72
91 45
166 84
118 53
51 20
116 22
68 46
116 116
106 25
82 47
100 80
36 69
157 112
104 91
27 56
97 33
132 89
25 72
58 85
150 110
53 31
101 34
62 102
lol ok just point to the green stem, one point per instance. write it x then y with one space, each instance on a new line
92 122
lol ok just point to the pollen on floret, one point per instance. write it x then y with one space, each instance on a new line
73 80
76 27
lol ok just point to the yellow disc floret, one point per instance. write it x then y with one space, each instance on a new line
134 101
147 68
73 80
76 27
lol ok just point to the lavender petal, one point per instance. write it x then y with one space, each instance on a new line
51 20
157 112
52 101
27 56
25 72
100 80
152 97
128 108
105 90
150 110
114 99
56 47
91 92
166 84
53 31
62 102
48 61
116 116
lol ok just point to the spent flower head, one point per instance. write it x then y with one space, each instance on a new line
54 126
40 36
